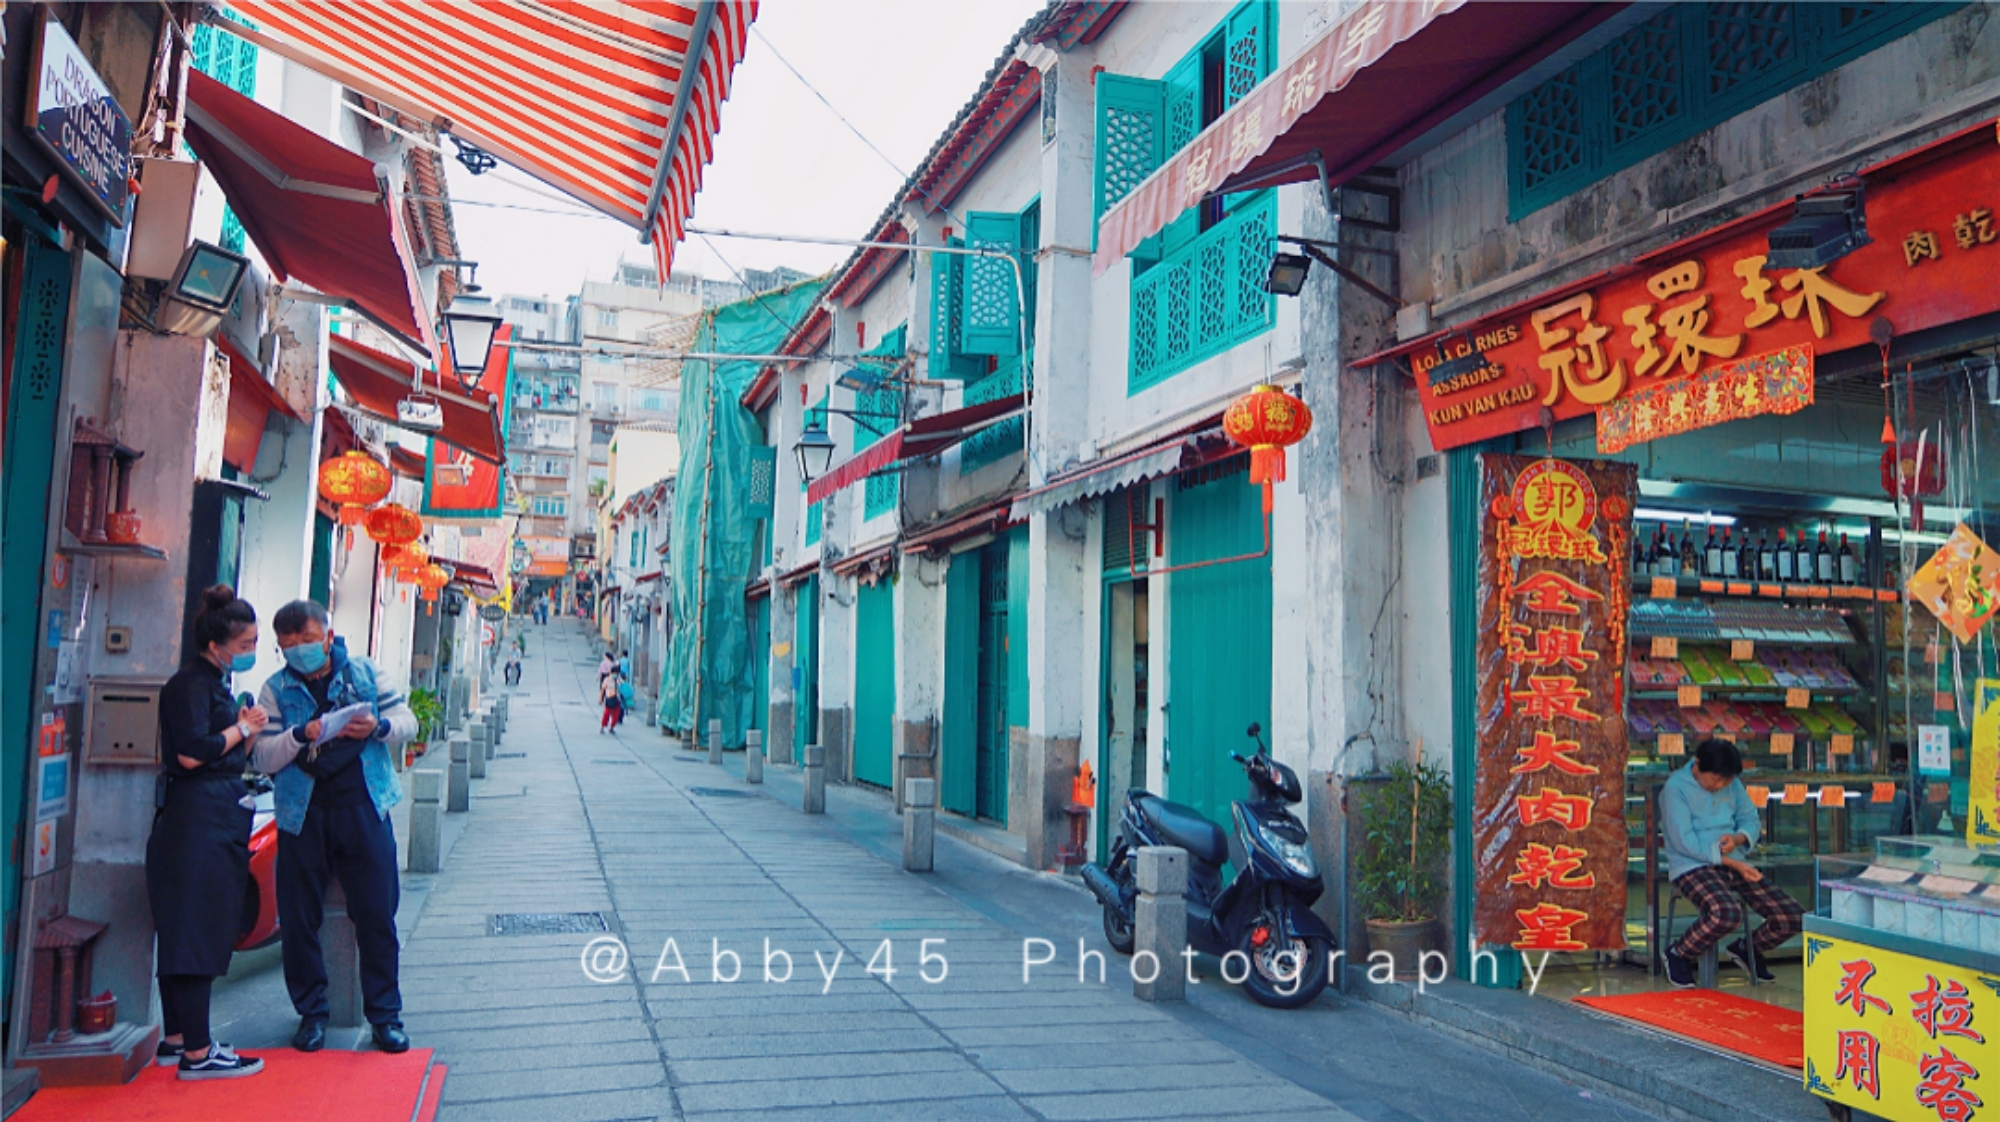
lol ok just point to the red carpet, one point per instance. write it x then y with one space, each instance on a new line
1768 1032
329 1086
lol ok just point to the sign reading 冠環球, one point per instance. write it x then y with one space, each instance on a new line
71 111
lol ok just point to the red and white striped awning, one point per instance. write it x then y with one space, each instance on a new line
614 103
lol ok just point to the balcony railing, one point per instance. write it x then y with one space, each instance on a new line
1205 297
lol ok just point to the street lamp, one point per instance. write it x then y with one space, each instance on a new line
470 324
1288 273
815 453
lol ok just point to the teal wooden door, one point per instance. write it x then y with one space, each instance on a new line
874 683
1218 636
805 667
959 736
994 676
760 664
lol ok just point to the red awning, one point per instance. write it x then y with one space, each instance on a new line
406 463
316 211
1368 85
921 437
378 381
251 400
615 103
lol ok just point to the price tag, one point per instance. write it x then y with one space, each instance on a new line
1795 794
1833 796
1931 653
1690 697
1781 744
1664 588
1711 586
1673 744
1843 744
1797 698
1758 795
1742 650
1886 595
1770 590
1945 701
1883 793
1739 588
1795 590
1816 591
1666 646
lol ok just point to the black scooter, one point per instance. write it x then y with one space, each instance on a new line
1265 912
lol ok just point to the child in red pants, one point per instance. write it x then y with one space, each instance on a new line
614 703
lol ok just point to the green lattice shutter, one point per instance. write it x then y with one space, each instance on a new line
1246 57
991 319
1183 89
948 358
763 481
232 62
1131 138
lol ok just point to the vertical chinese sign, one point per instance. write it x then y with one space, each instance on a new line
458 484
1549 804
1896 1035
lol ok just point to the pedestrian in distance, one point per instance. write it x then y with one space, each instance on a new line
605 665
333 796
198 856
514 668
608 692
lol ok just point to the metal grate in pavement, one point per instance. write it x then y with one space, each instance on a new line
545 923
719 792
510 755
627 763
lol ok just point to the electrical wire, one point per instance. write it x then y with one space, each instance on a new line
748 287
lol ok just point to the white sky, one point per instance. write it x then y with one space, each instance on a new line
899 70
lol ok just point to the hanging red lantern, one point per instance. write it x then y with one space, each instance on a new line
394 525
430 578
356 481
402 560
1913 470
1267 421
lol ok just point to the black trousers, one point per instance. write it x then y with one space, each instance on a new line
359 847
184 1008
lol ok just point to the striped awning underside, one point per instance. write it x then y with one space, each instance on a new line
587 97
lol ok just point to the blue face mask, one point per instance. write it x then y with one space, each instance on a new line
306 658
240 663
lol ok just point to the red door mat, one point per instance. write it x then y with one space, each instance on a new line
329 1086
1770 1033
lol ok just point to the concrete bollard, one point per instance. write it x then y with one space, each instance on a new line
458 782
426 821
753 756
815 797
919 824
343 960
486 729
1159 924
476 757
715 742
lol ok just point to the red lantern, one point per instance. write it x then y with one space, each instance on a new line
402 560
1267 421
1913 470
394 525
430 579
356 481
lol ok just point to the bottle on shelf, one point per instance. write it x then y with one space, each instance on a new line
1823 562
1711 557
1642 561
1666 563
1849 570
1746 558
1690 556
1784 558
1767 558
1728 558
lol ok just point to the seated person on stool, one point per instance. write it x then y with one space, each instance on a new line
1710 825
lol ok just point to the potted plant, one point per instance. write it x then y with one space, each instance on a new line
429 712
1401 870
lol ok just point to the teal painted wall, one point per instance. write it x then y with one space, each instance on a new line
805 667
1218 638
875 683
958 724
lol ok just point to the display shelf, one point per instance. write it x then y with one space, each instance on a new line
1736 589
1721 622
71 544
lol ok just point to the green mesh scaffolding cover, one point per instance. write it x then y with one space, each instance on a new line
710 673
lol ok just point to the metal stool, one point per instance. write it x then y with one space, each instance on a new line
1704 972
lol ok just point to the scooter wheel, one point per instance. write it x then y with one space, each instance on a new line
1274 970
1118 932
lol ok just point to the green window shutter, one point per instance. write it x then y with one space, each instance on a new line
763 480
990 320
1183 123
1017 627
948 360
959 734
1131 138
1247 50
1030 242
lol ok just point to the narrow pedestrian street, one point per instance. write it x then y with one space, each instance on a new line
662 846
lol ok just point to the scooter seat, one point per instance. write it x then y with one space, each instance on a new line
1185 827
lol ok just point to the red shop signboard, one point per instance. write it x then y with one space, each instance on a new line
1618 342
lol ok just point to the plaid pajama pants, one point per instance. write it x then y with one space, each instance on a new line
1715 889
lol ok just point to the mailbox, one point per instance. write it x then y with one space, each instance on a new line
124 722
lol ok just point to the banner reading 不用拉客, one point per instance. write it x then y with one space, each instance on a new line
1549 801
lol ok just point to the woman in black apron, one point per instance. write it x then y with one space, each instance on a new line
198 858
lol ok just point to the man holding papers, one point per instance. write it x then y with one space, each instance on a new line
329 748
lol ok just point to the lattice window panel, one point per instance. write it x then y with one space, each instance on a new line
995 442
1551 126
1183 116
1178 279
1746 40
1256 309
1242 70
1204 298
1644 67
1847 17
1215 297
45 316
989 292
1145 332
1128 152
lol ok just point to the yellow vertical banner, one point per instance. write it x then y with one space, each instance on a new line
1982 814
1901 1037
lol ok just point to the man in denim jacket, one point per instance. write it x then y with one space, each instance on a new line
333 817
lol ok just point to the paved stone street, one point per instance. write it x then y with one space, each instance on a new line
665 846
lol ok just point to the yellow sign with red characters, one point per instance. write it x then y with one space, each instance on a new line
1905 1038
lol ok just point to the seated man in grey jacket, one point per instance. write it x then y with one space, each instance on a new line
1710 824
333 799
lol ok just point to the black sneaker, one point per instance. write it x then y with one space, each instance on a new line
1680 971
168 1054
221 1063
1751 964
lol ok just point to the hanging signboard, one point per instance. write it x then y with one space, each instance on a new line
71 112
1549 801
1608 343
458 484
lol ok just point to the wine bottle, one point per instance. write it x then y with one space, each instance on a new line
1729 559
1784 558
1690 557
1666 563
1641 563
1711 559
1823 560
1848 569
1767 558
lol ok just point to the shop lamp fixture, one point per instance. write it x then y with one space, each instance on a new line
859 379
1823 228
201 291
1650 514
1288 274
815 453
470 324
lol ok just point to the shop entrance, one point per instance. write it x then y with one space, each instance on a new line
805 666
991 721
874 682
